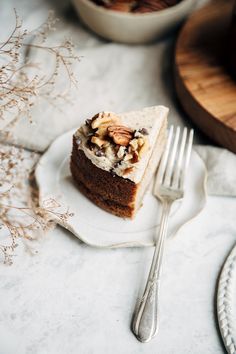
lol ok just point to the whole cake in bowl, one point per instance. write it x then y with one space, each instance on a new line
114 157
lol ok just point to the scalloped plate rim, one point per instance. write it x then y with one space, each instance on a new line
227 276
67 225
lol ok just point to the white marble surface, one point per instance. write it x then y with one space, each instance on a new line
71 298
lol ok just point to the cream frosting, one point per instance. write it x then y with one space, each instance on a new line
150 118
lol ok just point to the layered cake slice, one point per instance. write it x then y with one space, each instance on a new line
115 156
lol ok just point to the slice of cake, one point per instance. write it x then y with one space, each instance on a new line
115 156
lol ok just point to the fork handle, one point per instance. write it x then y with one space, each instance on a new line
145 324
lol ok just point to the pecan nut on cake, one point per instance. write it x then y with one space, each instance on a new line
115 156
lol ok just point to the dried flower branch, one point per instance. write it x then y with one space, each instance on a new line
24 219
21 83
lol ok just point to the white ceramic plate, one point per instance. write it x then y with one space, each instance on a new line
226 302
99 228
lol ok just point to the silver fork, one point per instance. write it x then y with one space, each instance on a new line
168 187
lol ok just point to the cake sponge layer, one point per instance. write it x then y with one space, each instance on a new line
103 188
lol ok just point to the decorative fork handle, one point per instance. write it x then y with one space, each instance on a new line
145 324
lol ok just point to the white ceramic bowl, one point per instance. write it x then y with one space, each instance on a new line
132 28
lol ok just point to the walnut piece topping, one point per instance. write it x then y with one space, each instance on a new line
141 141
128 157
134 144
102 130
121 152
137 147
99 142
143 148
104 118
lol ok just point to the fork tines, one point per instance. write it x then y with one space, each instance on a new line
175 159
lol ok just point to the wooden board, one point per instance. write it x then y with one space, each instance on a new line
205 89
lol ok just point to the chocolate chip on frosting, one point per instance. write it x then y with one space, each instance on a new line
88 122
117 163
143 131
100 153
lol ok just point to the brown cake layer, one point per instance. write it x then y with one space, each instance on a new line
109 191
108 205
101 182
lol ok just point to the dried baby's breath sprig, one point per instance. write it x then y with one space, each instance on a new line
48 26
23 81
25 219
